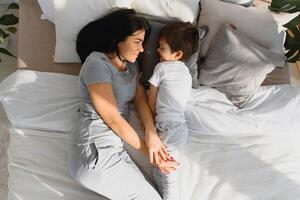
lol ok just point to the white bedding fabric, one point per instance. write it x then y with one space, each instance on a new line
248 154
40 100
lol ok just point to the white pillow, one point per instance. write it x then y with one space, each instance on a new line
71 16
47 9
181 9
256 23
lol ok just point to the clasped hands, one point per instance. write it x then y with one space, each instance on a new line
159 155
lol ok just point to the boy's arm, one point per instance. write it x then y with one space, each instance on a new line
152 96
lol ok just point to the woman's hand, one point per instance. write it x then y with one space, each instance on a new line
157 151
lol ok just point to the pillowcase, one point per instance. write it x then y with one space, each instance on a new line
71 16
47 7
181 9
256 23
236 65
150 56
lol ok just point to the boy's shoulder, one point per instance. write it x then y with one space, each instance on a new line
162 66
170 64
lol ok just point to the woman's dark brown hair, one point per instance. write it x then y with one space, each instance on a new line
104 34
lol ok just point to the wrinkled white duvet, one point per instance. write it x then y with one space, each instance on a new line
248 154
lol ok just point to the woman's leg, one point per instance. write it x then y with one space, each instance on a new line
114 175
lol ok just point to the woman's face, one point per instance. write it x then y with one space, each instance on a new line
132 46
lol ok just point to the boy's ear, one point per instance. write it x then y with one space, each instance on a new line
179 54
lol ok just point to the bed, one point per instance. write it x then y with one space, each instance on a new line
239 154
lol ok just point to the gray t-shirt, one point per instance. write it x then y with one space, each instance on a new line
98 69
90 127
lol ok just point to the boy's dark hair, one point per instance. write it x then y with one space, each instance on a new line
181 36
104 34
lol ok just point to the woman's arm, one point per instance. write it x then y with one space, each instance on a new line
105 104
157 150
152 96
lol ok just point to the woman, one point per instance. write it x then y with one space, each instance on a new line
109 48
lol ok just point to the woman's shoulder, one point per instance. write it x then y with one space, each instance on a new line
96 62
96 57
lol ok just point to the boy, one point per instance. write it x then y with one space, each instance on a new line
170 87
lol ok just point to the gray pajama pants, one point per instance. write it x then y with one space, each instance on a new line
104 166
174 135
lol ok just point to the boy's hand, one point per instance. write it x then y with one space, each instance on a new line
168 166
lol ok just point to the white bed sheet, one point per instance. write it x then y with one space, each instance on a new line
38 167
40 100
248 154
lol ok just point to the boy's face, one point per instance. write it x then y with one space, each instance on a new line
165 52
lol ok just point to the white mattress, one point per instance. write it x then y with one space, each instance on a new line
248 154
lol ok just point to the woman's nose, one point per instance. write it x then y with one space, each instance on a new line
141 48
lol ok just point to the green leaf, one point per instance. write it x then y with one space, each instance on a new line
13 6
8 20
289 6
3 34
293 23
12 29
1 39
4 51
292 41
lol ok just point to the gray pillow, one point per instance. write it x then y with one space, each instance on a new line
150 56
236 65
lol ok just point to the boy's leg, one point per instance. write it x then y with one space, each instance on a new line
174 135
